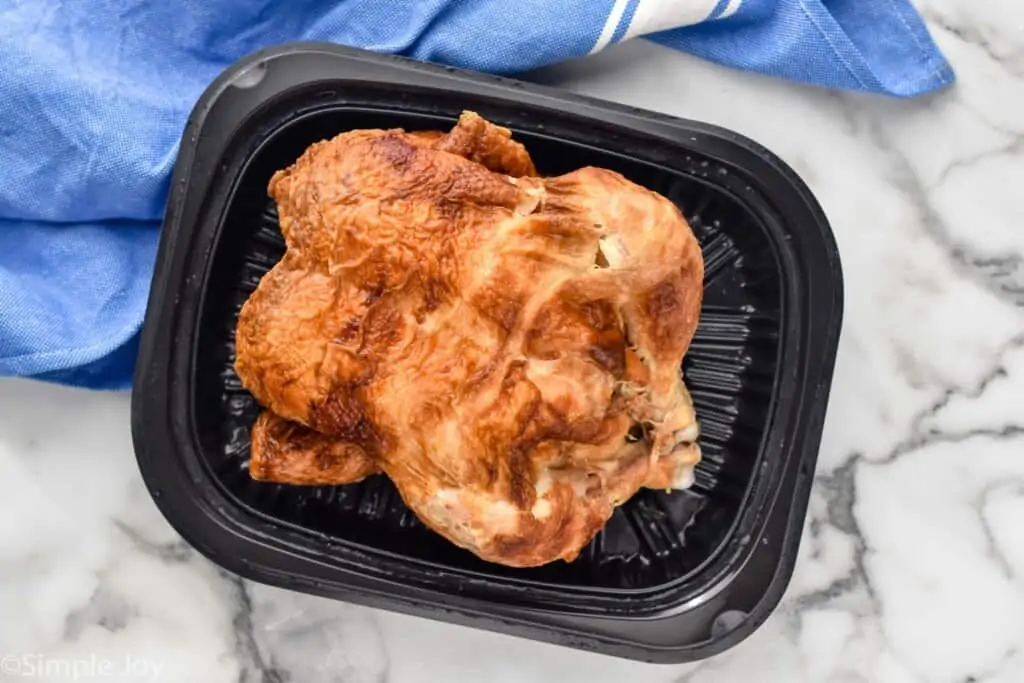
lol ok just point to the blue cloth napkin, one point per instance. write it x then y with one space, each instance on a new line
94 95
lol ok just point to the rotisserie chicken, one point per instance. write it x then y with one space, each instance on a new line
505 347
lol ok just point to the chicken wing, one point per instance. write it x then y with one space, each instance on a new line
286 452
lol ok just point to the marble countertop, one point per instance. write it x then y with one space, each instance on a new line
911 567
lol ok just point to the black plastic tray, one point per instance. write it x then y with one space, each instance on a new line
673 577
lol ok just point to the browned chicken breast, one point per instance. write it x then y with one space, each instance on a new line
506 348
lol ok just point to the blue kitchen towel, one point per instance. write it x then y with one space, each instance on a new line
94 95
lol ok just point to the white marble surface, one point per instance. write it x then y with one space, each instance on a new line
912 563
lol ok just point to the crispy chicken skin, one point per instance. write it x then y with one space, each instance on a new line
506 348
287 452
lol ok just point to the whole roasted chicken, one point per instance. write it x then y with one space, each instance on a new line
505 347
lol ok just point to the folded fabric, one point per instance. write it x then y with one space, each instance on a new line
94 96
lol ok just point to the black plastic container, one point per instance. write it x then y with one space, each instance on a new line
673 577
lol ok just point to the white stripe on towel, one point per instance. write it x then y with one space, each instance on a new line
659 15
612 23
731 8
